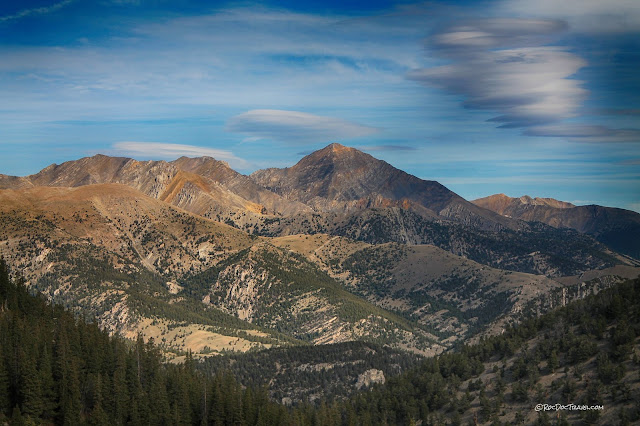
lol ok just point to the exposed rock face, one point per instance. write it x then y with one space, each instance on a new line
342 179
237 285
370 377
274 288
241 185
204 186
617 228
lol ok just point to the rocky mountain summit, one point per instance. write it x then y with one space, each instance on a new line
342 179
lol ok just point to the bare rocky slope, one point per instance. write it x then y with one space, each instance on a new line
203 186
343 179
616 228
138 264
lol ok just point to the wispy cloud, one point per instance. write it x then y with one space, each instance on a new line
631 162
492 33
502 65
36 11
301 60
377 148
295 127
618 111
173 151
585 133
588 16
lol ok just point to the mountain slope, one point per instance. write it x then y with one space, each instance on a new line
280 290
616 228
536 249
117 255
241 185
139 264
454 297
340 191
582 357
55 370
342 179
203 185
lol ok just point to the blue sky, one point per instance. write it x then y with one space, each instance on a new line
513 96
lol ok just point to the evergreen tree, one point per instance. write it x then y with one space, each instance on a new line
30 392
48 386
97 416
159 409
5 400
119 397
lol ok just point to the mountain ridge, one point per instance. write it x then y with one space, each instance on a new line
342 191
615 227
342 179
203 185
184 251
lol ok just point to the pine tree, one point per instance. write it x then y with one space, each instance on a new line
97 416
120 395
553 361
181 400
159 410
16 417
48 386
250 412
5 399
30 393
6 287
216 410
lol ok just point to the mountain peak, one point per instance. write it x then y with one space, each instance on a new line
200 164
501 202
334 149
339 178
540 201
337 157
337 148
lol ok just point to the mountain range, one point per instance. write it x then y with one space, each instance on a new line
619 229
339 247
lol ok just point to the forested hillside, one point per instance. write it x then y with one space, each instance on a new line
56 369
585 355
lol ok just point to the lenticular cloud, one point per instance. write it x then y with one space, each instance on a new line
295 126
505 66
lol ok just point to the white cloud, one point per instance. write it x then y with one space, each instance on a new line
36 11
496 32
172 151
526 85
295 127
587 16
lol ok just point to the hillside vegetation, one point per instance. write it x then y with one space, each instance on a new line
58 369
